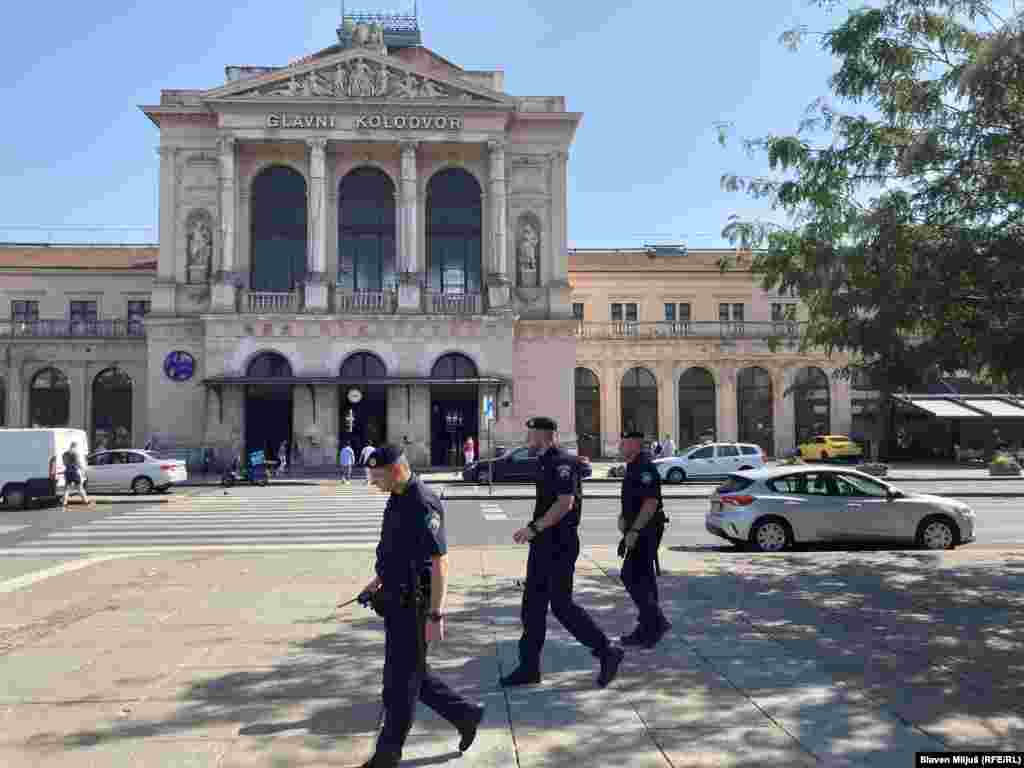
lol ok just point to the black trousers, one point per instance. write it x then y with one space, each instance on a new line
549 576
408 679
641 581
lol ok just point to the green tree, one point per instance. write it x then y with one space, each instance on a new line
902 194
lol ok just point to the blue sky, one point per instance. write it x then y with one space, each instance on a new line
651 77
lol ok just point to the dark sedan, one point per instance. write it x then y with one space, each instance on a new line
515 466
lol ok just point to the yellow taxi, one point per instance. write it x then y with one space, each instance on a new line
830 447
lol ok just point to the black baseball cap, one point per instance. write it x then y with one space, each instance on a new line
542 422
385 456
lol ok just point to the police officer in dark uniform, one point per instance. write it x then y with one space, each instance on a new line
642 524
410 590
554 547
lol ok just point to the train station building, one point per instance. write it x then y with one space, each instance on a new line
370 243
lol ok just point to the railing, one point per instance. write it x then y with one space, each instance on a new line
438 303
271 302
693 329
80 329
365 302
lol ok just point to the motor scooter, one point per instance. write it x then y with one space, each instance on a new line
255 473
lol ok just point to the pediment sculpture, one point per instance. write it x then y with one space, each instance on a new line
361 78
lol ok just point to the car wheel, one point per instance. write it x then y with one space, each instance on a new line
771 535
142 486
936 533
676 475
14 497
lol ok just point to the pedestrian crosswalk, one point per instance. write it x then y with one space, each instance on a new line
242 518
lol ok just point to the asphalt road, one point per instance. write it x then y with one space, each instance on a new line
278 514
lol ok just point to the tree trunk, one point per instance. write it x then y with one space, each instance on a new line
885 410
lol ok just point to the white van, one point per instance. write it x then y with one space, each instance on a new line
31 466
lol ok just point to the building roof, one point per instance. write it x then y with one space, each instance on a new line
134 258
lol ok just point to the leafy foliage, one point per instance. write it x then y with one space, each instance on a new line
903 194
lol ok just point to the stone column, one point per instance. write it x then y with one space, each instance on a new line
728 415
498 291
411 268
782 411
559 290
840 406
316 260
223 297
164 285
668 421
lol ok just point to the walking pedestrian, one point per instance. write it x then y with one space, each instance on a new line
412 570
282 457
74 475
642 523
346 458
469 451
554 548
364 456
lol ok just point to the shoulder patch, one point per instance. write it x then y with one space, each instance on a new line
646 478
434 522
565 471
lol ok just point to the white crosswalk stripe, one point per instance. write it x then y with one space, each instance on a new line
278 517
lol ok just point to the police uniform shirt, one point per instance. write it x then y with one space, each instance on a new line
557 475
642 482
412 532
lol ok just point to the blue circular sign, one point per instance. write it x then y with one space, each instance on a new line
179 366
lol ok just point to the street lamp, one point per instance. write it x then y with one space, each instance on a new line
350 420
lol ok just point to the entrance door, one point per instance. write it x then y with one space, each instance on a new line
454 409
268 407
268 419
363 416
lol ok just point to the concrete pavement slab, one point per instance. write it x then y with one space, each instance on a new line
615 748
740 746
185 754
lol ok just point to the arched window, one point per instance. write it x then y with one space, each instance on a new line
49 399
697 406
811 404
588 412
454 366
112 409
454 232
754 406
640 402
366 231
363 365
269 365
278 229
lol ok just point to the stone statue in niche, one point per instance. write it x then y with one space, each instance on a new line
528 254
199 249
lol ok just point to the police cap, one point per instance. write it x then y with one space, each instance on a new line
384 456
542 422
632 433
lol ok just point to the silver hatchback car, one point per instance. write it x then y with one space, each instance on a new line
773 509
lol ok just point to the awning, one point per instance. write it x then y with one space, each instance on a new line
966 406
941 407
997 408
221 381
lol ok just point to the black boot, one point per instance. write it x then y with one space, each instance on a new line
654 637
521 676
468 727
636 637
610 661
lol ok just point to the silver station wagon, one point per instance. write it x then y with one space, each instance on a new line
773 509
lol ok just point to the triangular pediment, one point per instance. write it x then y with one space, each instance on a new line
355 75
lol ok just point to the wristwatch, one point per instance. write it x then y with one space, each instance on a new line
435 616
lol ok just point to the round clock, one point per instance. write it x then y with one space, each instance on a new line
354 396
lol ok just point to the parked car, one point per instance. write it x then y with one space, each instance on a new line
827 447
32 465
133 470
709 460
773 509
515 466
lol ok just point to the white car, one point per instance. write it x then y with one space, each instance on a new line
709 460
132 470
